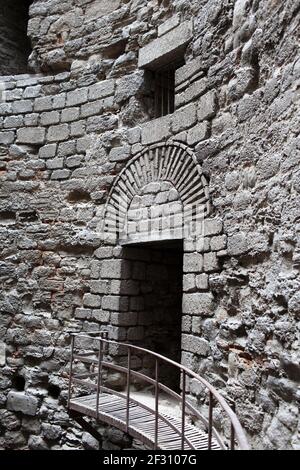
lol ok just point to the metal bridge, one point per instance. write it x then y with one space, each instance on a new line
90 395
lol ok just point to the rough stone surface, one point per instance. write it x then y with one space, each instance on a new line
70 126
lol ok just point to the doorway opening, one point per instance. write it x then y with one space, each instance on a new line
156 269
15 46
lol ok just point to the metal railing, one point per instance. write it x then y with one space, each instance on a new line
237 436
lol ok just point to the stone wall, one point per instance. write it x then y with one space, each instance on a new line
14 44
63 139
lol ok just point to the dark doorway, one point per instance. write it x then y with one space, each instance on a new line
157 270
15 46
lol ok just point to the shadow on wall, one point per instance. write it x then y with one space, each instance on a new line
15 46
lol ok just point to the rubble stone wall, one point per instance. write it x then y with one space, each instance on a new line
69 129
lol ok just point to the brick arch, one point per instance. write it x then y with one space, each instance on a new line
171 162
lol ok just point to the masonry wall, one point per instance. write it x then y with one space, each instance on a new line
68 130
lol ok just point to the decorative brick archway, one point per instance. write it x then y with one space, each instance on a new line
158 168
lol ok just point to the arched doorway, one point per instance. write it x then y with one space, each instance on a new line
154 212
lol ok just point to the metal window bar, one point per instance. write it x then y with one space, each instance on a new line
128 388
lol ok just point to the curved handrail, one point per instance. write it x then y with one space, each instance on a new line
236 428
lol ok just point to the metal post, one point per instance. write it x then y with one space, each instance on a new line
128 388
210 419
71 369
156 405
232 432
100 354
183 410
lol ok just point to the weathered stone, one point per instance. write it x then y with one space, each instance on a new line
197 304
90 300
156 130
207 106
164 49
198 133
32 135
184 118
195 345
193 262
20 401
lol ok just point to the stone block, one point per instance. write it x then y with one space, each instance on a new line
186 323
168 25
48 151
91 300
55 163
76 97
21 107
104 252
31 135
156 130
188 71
91 109
189 283
218 243
127 287
237 244
59 101
7 137
102 123
184 118
192 263
115 303
114 269
58 133
100 316
124 318
13 122
101 89
210 262
49 117
129 85
197 304
202 281
195 345
43 104
20 401
60 174
119 154
32 91
83 313
167 48
207 106
198 133
99 287
193 92
2 354
212 227
70 114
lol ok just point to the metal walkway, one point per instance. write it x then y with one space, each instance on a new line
112 410
150 424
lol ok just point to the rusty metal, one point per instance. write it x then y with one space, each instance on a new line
143 422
